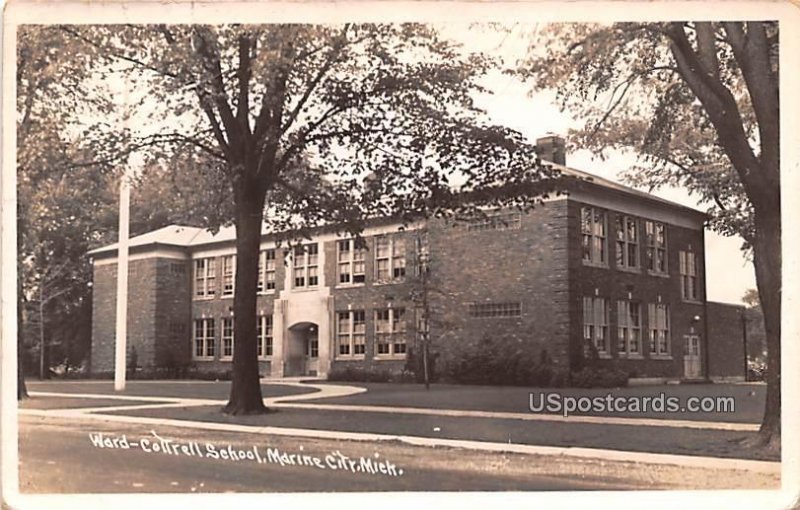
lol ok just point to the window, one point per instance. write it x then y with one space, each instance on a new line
688 269
204 338
629 328
204 278
177 268
593 230
390 332
656 234
658 319
484 310
390 258
351 333
264 334
507 221
227 337
351 256
627 242
266 270
306 269
595 323
228 274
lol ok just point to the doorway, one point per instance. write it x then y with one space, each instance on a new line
302 353
691 357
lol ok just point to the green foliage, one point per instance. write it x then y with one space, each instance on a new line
496 361
623 81
599 377
357 373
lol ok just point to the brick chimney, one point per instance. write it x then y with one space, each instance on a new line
552 148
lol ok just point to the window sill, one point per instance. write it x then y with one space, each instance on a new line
630 356
632 270
657 274
350 357
226 296
349 285
604 355
266 292
388 282
226 358
203 298
665 357
389 357
692 301
306 289
205 358
265 358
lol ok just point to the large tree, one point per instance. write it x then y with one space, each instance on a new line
60 199
315 112
698 102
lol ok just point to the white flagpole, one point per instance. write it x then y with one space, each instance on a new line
122 284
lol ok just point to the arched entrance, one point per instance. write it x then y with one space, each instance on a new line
302 349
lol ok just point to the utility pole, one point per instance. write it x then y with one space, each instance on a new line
424 324
41 331
122 284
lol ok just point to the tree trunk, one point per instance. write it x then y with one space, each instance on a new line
22 390
246 395
767 261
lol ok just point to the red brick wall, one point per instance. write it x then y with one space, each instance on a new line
141 314
614 284
528 265
726 340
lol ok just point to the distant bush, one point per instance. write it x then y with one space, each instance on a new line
599 377
357 373
498 363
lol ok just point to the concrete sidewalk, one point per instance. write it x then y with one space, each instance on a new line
532 433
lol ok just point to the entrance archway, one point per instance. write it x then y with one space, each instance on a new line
302 349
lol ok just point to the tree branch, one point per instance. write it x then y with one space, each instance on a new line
116 54
721 107
751 51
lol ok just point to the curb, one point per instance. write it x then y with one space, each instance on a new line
752 466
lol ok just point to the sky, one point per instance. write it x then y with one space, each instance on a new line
512 104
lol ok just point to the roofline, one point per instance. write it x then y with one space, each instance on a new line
621 189
105 250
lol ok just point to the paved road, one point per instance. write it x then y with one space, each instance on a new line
58 456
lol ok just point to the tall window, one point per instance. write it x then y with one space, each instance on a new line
593 230
351 333
629 328
266 270
656 234
658 320
351 256
204 338
228 274
264 334
595 323
306 266
688 268
627 242
205 277
390 331
227 337
390 258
